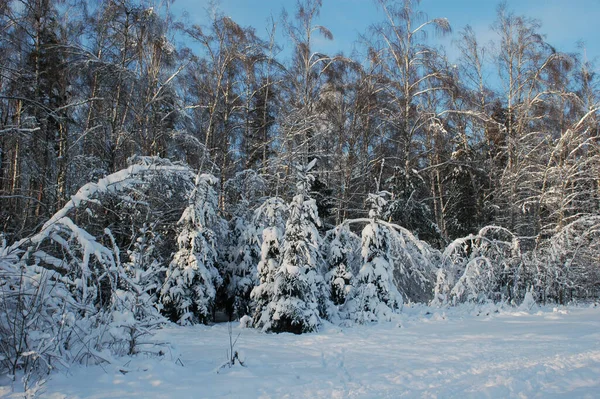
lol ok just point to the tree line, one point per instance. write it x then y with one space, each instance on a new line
506 136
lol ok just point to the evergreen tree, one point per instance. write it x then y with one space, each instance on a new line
242 274
464 195
192 277
408 209
145 269
341 262
272 214
298 301
242 253
375 297
135 313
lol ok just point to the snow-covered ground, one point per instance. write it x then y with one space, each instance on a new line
427 353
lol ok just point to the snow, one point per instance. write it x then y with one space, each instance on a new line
467 351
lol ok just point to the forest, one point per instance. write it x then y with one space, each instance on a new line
155 170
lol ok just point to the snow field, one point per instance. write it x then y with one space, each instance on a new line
465 352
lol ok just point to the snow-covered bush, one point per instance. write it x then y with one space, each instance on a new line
189 291
415 263
567 266
44 325
30 321
86 239
65 295
491 266
134 318
482 267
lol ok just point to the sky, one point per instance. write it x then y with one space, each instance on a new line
565 23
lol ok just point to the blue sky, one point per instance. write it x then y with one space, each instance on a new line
563 22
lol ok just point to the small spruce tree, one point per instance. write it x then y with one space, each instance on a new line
242 274
271 214
189 291
299 291
341 259
375 297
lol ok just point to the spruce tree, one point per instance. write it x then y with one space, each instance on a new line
298 299
340 260
375 297
192 278
242 275
270 214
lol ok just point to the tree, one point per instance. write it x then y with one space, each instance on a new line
192 278
135 309
375 296
271 214
482 267
239 263
342 261
298 301
526 65
407 71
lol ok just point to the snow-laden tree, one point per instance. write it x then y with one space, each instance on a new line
244 255
481 267
343 261
299 297
65 295
135 312
189 291
243 251
566 266
407 208
375 297
569 186
271 214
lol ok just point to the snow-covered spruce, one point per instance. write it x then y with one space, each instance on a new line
189 291
299 298
243 252
241 274
374 296
272 214
342 262
134 312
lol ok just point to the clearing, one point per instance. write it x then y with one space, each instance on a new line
458 352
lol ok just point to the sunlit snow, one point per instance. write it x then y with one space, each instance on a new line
459 352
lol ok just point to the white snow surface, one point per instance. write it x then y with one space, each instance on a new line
466 352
